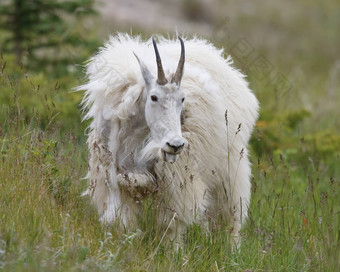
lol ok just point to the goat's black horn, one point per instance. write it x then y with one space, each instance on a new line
179 72
161 80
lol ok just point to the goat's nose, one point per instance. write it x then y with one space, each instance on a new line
175 148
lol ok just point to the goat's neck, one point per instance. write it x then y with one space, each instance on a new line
133 137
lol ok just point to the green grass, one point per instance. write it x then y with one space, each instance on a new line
46 225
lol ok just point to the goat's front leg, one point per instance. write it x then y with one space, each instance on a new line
137 185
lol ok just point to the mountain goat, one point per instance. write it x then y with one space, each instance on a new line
177 133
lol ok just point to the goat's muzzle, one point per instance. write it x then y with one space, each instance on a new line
172 149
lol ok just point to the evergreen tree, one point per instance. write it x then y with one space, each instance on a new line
40 24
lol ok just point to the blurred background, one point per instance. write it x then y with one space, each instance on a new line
288 49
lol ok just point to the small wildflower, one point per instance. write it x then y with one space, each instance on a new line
241 153
238 128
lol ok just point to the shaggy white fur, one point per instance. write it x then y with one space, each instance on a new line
211 177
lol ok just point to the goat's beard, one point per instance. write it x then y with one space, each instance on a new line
153 151
150 152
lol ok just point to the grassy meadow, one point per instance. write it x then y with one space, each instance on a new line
294 217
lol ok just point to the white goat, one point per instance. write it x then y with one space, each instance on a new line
180 137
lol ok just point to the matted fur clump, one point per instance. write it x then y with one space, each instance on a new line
201 172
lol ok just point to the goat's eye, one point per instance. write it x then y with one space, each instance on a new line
154 98
183 99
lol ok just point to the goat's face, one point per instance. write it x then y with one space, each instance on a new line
163 107
163 110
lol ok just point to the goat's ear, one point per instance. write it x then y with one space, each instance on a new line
148 78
